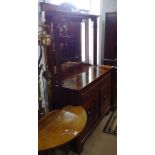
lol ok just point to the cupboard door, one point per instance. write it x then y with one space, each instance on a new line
90 103
104 95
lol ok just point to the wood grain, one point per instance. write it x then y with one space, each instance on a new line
82 77
60 126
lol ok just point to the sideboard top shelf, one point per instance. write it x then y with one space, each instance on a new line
50 11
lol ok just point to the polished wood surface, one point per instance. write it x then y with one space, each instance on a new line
66 41
76 83
82 77
60 126
88 86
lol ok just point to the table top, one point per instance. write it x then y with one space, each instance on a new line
60 126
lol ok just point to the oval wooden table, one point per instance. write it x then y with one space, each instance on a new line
60 126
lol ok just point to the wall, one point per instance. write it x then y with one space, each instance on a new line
106 6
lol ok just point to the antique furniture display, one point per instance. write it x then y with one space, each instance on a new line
75 82
60 126
90 87
91 90
66 38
